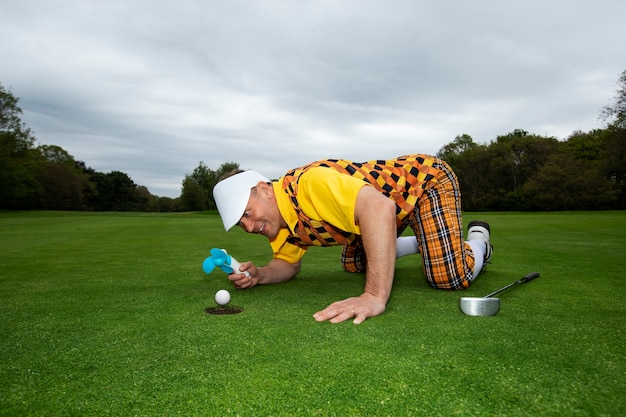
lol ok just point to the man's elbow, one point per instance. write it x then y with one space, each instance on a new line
389 209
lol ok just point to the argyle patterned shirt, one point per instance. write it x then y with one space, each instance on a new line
403 180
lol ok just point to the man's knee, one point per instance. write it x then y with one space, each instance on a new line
452 282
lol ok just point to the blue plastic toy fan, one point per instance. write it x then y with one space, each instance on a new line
223 260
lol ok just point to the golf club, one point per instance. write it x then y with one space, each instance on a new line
488 306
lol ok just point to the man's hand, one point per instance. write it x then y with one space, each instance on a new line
242 281
274 272
356 308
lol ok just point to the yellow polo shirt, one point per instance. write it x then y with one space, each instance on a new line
324 195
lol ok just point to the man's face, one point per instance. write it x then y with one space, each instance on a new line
261 215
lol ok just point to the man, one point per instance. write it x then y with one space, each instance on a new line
364 207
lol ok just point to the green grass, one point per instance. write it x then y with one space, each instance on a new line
103 314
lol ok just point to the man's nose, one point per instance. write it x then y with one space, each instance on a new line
246 225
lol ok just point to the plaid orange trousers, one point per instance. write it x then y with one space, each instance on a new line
447 260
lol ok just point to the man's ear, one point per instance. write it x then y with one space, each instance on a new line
266 189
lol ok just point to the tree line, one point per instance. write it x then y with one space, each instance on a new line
47 177
525 172
515 171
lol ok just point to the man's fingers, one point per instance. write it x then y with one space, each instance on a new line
241 280
339 312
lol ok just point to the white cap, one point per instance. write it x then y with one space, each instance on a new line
232 194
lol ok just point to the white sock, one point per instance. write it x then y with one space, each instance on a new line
406 245
478 247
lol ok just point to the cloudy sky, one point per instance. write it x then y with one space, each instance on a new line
153 87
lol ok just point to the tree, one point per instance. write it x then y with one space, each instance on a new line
615 148
19 187
466 158
456 149
491 176
197 189
193 196
16 136
615 140
56 155
115 191
564 183
63 188
475 178
145 200
615 113
517 156
166 204
605 151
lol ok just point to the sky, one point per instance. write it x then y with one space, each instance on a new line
152 87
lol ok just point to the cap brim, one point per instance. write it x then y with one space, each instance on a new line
232 195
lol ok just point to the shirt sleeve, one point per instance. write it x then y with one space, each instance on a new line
286 251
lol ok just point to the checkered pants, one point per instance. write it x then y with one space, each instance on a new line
447 260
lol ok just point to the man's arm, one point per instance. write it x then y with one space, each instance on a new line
376 216
277 270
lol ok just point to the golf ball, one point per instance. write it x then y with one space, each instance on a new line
222 297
